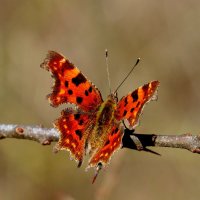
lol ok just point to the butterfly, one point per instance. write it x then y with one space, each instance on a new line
92 126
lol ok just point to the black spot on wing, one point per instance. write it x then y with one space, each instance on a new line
86 93
79 100
77 116
79 79
135 95
132 109
145 87
70 92
138 103
125 112
90 89
79 133
66 84
81 122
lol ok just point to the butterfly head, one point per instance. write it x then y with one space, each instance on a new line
113 97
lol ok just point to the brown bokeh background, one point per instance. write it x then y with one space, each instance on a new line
165 34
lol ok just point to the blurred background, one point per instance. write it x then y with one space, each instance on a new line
164 34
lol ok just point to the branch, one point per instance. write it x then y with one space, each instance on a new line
36 133
184 141
130 140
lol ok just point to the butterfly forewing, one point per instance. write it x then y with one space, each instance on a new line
71 86
130 106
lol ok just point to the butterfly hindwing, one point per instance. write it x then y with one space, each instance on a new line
71 86
73 132
130 106
112 143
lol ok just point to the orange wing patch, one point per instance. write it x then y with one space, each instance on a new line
73 133
113 143
130 106
70 86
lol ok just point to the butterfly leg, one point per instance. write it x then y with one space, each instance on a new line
99 167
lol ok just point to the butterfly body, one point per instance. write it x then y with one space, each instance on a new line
104 122
94 126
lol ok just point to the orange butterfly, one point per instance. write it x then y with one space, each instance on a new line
94 126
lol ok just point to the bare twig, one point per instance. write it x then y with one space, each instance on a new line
36 133
130 140
47 135
184 141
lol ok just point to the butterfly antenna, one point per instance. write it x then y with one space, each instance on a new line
138 60
108 74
